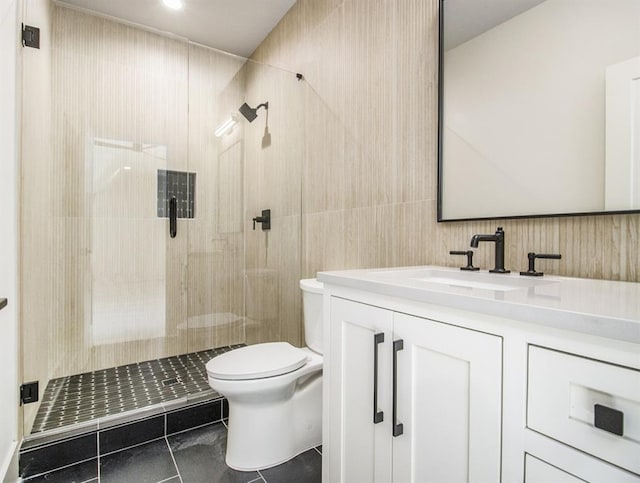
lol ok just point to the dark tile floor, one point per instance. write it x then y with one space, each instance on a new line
86 397
194 456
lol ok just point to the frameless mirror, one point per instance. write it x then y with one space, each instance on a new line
539 108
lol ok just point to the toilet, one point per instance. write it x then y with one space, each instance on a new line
274 392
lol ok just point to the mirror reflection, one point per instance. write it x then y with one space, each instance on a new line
540 108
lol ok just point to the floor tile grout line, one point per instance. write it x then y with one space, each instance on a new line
98 449
26 480
195 427
175 463
170 478
59 441
133 446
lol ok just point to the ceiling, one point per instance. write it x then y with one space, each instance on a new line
466 19
235 26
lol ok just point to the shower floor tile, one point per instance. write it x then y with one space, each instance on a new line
80 398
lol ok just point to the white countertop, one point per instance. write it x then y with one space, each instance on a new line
598 307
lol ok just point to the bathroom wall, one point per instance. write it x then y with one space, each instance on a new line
369 170
9 168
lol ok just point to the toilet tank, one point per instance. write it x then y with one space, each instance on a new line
312 313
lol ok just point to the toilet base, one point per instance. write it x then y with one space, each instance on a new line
278 427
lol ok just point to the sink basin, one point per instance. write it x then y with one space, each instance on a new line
470 280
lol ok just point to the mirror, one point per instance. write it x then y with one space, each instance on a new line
539 108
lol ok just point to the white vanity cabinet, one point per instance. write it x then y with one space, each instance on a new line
411 399
432 375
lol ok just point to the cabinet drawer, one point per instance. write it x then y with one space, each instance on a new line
582 402
537 471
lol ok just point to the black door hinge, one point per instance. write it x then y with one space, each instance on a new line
30 36
29 392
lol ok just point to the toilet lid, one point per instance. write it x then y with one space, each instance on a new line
257 361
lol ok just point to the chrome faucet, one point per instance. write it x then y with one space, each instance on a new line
498 239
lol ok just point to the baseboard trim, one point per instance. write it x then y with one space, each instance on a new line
9 470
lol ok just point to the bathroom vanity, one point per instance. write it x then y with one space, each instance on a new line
432 374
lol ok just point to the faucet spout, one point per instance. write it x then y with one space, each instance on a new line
476 239
498 239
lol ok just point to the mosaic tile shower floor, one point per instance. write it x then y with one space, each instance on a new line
84 397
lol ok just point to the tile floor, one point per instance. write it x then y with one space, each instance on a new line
85 397
194 456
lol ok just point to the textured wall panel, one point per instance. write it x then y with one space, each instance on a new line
369 175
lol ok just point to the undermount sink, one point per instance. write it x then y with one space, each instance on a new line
471 280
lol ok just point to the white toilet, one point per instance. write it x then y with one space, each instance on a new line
274 392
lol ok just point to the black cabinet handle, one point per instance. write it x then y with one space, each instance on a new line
398 429
173 217
608 419
378 416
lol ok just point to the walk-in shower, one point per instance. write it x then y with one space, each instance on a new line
123 312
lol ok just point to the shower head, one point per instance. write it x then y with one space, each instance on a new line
249 112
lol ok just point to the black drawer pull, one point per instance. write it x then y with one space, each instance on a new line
378 416
608 419
398 428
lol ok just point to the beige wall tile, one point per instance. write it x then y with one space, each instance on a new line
323 242
372 67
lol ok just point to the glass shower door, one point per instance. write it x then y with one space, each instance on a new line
112 292
128 256
243 280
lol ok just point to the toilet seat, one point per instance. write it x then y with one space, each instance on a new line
257 361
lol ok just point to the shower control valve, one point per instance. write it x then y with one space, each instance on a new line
265 220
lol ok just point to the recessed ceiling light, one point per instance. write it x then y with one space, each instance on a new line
173 4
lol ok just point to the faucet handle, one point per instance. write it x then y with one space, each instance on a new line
531 272
469 254
265 220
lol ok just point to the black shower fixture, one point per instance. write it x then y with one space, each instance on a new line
249 112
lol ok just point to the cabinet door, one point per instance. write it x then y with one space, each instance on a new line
537 471
449 403
359 449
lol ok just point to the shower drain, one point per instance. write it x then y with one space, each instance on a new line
171 381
